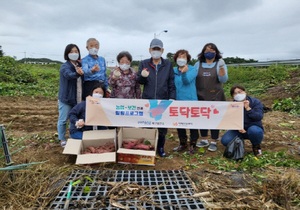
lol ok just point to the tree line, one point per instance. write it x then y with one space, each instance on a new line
228 60
1 52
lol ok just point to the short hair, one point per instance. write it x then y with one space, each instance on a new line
68 49
124 54
235 87
212 46
101 85
91 39
180 52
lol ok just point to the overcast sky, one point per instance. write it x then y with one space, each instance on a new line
257 29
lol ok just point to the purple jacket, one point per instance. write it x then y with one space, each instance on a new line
125 86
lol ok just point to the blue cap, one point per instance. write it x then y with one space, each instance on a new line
156 43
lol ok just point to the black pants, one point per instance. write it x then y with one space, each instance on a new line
214 133
162 131
88 87
194 135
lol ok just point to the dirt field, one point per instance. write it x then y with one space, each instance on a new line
37 118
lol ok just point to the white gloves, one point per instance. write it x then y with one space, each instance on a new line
221 63
77 123
116 74
145 73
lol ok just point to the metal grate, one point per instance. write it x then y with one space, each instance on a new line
174 192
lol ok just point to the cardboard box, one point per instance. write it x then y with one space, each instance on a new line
135 156
92 138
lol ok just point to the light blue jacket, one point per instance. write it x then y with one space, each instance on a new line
87 64
185 84
222 79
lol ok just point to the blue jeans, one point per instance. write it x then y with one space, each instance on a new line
63 110
254 133
76 135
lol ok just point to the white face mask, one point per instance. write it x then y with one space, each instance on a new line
124 66
73 56
93 51
155 54
97 95
181 61
240 97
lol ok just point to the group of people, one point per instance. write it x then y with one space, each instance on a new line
202 82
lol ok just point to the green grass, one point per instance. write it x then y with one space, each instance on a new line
43 80
28 79
288 105
256 80
250 162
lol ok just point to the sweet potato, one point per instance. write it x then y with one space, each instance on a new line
143 147
108 147
87 150
136 141
101 151
92 149
129 145
132 143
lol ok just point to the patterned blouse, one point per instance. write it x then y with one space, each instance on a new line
126 86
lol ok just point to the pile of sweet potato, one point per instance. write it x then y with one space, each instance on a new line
138 144
108 147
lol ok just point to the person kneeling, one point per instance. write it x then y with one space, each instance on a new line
77 114
253 115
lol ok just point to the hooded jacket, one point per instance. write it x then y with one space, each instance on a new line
68 83
255 115
160 82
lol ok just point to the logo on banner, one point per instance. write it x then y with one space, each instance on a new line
129 110
156 110
234 105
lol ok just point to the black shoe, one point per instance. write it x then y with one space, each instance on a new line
160 145
161 152
191 150
179 148
257 150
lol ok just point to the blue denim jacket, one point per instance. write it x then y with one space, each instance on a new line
87 64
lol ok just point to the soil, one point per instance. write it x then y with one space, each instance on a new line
36 119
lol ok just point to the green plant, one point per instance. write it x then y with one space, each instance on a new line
13 142
170 136
288 105
20 166
250 162
28 79
255 80
286 125
42 138
295 137
192 161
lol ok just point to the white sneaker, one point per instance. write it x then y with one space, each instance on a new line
63 143
212 147
202 144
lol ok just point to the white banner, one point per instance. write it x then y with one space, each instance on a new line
164 113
